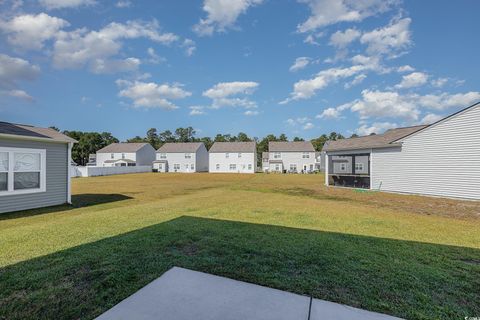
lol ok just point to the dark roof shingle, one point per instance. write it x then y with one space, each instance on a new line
122 147
22 130
292 146
180 147
233 147
374 141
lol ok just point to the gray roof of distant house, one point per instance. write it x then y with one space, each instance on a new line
21 130
374 141
173 147
292 146
233 147
122 147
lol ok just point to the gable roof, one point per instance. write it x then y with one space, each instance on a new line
292 146
13 130
386 139
122 147
233 147
173 147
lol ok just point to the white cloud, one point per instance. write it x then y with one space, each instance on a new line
391 40
329 113
222 15
15 70
154 57
60 4
411 80
328 12
385 104
19 94
445 100
356 81
152 95
31 31
123 4
189 46
300 63
225 94
405 68
251 113
440 82
101 66
430 118
305 89
304 122
308 126
196 110
377 127
342 39
90 48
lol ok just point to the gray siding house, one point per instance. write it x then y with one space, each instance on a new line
34 167
293 157
441 159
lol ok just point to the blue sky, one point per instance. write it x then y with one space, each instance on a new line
302 67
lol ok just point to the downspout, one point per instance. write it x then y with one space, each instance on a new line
326 168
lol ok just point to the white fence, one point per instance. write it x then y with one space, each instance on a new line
107 171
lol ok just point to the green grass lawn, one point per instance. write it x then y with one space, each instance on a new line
408 256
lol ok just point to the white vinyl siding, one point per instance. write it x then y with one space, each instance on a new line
244 164
443 160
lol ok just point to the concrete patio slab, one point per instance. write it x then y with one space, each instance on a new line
181 294
322 309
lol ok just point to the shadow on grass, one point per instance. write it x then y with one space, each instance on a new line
403 278
78 201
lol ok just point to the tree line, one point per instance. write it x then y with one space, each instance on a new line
91 142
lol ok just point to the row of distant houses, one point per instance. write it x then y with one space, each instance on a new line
441 159
223 157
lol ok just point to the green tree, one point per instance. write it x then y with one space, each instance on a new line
298 139
354 135
185 134
243 137
153 139
54 128
282 137
136 139
166 136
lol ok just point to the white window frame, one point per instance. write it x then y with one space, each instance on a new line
123 155
293 167
10 174
359 166
277 155
112 156
250 166
217 166
232 166
162 155
176 166
343 167
305 155
188 156
192 166
239 154
277 167
227 155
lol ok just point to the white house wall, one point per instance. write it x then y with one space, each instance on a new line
102 157
443 160
241 163
289 158
174 158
